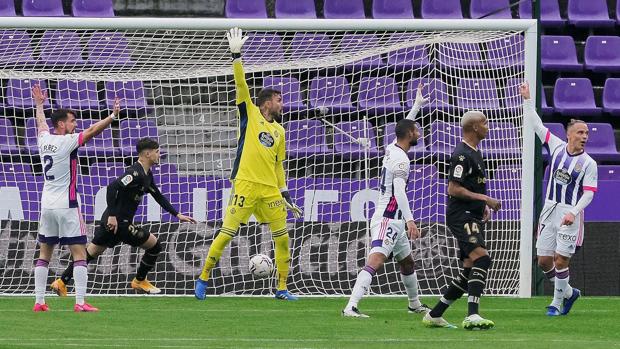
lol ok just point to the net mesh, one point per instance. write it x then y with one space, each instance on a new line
177 85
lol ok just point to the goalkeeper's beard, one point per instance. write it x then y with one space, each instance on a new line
277 116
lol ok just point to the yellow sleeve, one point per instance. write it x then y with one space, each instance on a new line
243 91
281 177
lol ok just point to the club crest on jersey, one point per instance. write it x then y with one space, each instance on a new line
127 179
578 168
562 176
461 157
265 139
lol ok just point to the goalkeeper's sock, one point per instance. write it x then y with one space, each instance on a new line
362 284
550 274
215 251
476 283
562 289
148 261
411 285
454 292
81 279
40 280
67 275
283 256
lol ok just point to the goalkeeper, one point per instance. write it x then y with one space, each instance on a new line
259 185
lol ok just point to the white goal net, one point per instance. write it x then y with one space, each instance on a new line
176 85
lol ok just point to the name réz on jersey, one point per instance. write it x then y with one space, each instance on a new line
49 148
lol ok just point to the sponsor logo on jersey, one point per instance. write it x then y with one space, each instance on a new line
473 239
127 179
265 139
562 176
482 180
458 171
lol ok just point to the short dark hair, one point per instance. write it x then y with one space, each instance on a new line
265 95
403 127
61 115
574 122
146 144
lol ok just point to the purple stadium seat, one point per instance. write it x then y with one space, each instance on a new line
549 12
77 94
61 47
611 96
478 94
392 9
557 129
442 9
245 9
107 170
379 95
414 57
349 9
499 8
512 97
418 151
42 8
131 130
109 49
15 46
602 54
131 94
423 172
295 9
14 167
30 143
7 8
508 173
89 8
344 146
574 97
165 173
8 143
460 55
609 172
333 92
558 53
443 137
546 109
19 93
589 13
602 142
290 89
305 138
434 90
262 47
310 45
502 141
100 146
359 42
506 52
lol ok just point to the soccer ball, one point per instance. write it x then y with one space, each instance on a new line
261 266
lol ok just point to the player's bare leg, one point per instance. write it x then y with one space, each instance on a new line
59 286
362 284
152 249
410 280
40 275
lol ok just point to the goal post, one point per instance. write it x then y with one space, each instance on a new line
344 83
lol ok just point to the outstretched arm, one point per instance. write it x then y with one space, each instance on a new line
101 125
235 41
417 104
529 111
40 96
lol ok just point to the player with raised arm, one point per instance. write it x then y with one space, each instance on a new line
571 188
259 183
61 220
466 214
392 224
123 197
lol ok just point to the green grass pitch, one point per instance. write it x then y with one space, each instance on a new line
236 322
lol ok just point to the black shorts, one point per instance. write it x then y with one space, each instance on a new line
468 231
126 232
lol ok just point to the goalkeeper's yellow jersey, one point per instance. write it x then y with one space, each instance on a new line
260 146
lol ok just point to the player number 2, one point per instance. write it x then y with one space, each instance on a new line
237 200
48 162
472 228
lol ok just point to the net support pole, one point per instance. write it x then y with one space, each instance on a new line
527 174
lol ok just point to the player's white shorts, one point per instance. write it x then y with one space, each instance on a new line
62 225
389 236
552 237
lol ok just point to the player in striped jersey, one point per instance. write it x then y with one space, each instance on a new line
61 221
392 224
571 187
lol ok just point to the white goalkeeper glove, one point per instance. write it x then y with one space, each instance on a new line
235 39
420 101
291 206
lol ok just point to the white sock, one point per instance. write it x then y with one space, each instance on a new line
80 275
562 288
362 284
40 280
411 285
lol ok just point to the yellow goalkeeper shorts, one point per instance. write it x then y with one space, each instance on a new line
247 198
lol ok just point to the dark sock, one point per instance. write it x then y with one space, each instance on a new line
454 292
148 261
476 283
67 275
